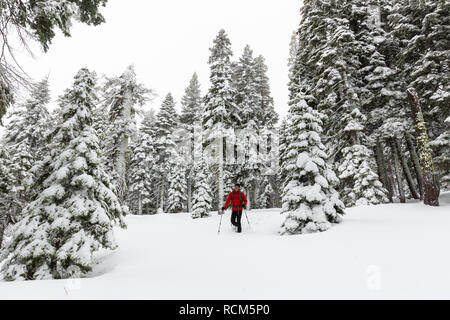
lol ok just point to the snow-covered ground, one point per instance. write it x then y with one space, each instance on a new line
389 251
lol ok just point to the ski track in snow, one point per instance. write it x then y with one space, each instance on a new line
392 251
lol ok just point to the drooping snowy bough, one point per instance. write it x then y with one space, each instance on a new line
74 214
310 202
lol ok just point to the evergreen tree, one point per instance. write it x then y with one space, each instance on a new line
422 28
310 202
246 95
25 139
140 175
359 183
176 198
6 191
164 144
191 102
201 198
220 109
191 116
266 197
73 216
268 117
123 97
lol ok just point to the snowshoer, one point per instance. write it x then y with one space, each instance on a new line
238 202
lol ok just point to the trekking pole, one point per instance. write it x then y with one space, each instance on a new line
220 223
248 221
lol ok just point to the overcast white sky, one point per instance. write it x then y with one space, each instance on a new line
168 40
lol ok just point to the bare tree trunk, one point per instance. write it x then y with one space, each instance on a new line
431 185
140 204
161 199
189 194
382 173
121 161
390 175
406 171
415 161
401 193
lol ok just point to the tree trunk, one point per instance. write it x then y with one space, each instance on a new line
189 195
120 165
140 204
401 193
3 222
382 173
406 171
415 161
390 175
161 200
220 177
430 181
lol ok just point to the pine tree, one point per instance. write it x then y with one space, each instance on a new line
359 183
164 144
266 197
25 139
201 198
140 175
7 198
220 109
310 202
123 97
268 117
73 216
176 193
422 28
191 118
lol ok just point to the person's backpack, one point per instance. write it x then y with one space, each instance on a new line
240 198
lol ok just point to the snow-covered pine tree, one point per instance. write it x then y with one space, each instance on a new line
164 145
25 139
73 216
140 174
176 193
201 197
310 202
191 113
250 104
268 117
220 109
422 28
6 192
123 96
359 183
265 199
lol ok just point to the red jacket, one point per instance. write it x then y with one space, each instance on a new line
235 199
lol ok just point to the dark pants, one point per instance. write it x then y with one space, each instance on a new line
236 216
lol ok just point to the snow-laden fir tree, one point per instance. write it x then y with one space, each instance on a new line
73 216
310 202
265 199
268 117
359 183
176 193
25 139
220 108
140 173
123 96
190 119
422 28
7 196
164 145
201 197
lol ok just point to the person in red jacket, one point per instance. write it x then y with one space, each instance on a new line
238 202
